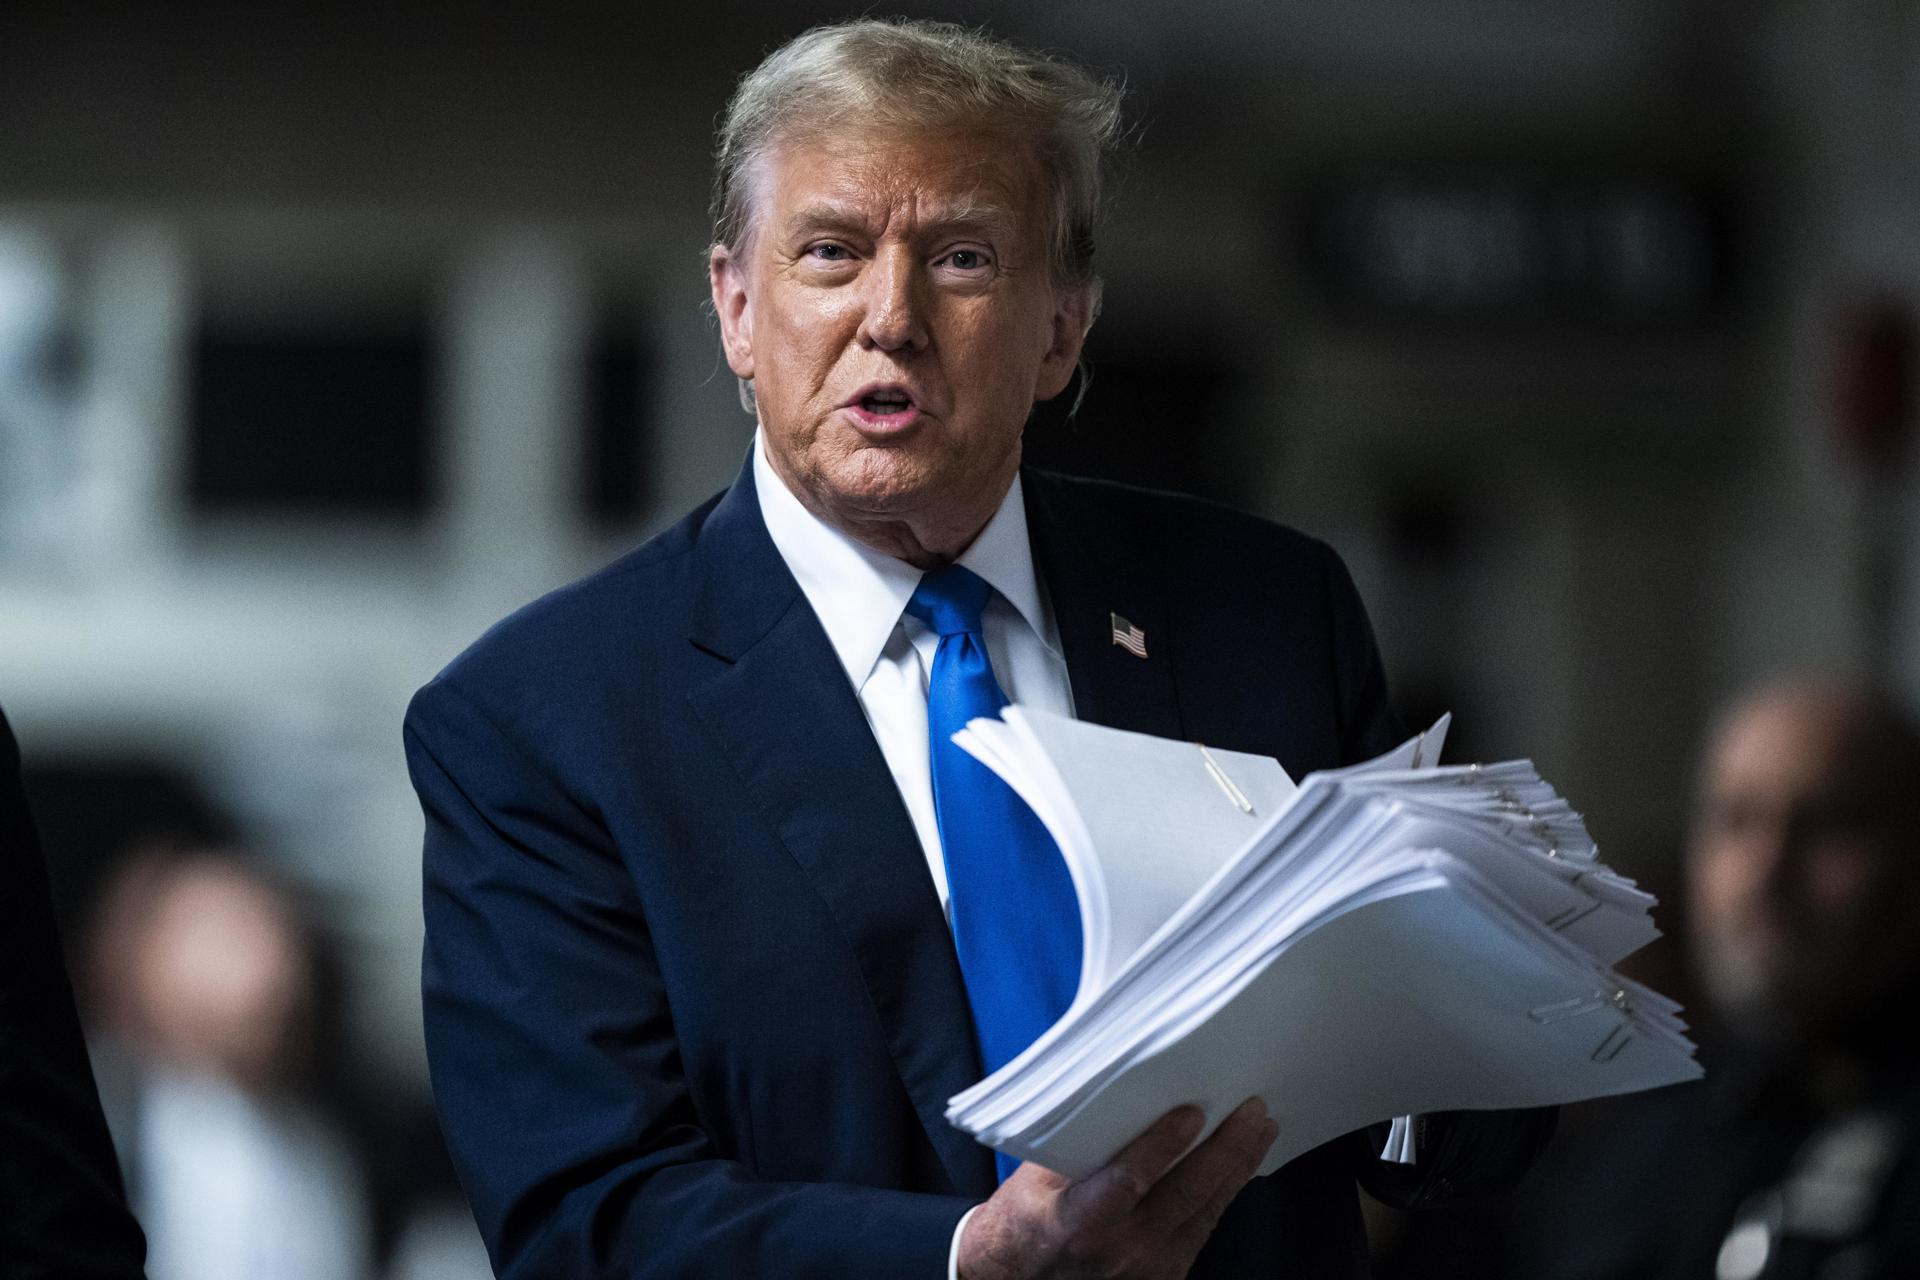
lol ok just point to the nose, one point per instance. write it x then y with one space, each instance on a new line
1742 860
1775 863
895 317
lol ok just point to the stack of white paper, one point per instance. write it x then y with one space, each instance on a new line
1387 939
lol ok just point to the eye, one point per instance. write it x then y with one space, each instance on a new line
968 260
828 251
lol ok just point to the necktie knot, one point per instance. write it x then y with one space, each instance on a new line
950 600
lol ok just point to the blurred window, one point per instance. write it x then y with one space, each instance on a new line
329 420
618 372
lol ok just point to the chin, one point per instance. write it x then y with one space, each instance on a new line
877 482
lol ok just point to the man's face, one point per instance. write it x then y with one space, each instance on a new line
1800 871
896 310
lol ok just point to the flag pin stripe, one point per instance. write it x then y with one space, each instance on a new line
1128 636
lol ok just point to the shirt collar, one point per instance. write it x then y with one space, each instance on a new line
859 594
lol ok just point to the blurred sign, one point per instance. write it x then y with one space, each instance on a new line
1508 248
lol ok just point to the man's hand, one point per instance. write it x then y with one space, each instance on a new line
1142 1217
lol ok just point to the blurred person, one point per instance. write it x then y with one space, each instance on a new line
694 826
1803 878
1804 865
1798 1158
204 983
63 1213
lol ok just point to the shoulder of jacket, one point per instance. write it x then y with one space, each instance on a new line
1146 517
633 592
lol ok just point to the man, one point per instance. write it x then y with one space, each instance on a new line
1804 860
63 1215
694 828
1798 1158
1802 879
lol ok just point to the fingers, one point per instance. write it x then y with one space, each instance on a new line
1195 1192
1148 1211
1118 1188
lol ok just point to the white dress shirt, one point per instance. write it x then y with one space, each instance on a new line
861 597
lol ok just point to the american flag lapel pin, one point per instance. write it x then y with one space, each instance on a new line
1128 636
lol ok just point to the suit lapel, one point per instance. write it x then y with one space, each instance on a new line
779 705
1087 585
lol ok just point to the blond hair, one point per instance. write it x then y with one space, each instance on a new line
910 75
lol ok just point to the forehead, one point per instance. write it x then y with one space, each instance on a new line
1817 753
1785 746
944 175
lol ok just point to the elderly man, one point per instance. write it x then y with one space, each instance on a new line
717 917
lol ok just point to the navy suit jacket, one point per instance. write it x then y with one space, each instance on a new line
691 1004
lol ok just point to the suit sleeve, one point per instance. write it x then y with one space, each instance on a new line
551 1046
1462 1155
62 1211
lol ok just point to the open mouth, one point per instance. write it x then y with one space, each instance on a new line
885 403
884 406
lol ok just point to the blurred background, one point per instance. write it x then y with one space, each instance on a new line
1587 333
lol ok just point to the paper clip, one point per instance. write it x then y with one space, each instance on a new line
1617 1039
1568 1008
1581 1004
1541 831
1512 803
1219 775
1573 915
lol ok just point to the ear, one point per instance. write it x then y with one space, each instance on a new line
728 277
1073 312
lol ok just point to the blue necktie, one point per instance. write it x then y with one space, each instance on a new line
1016 920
